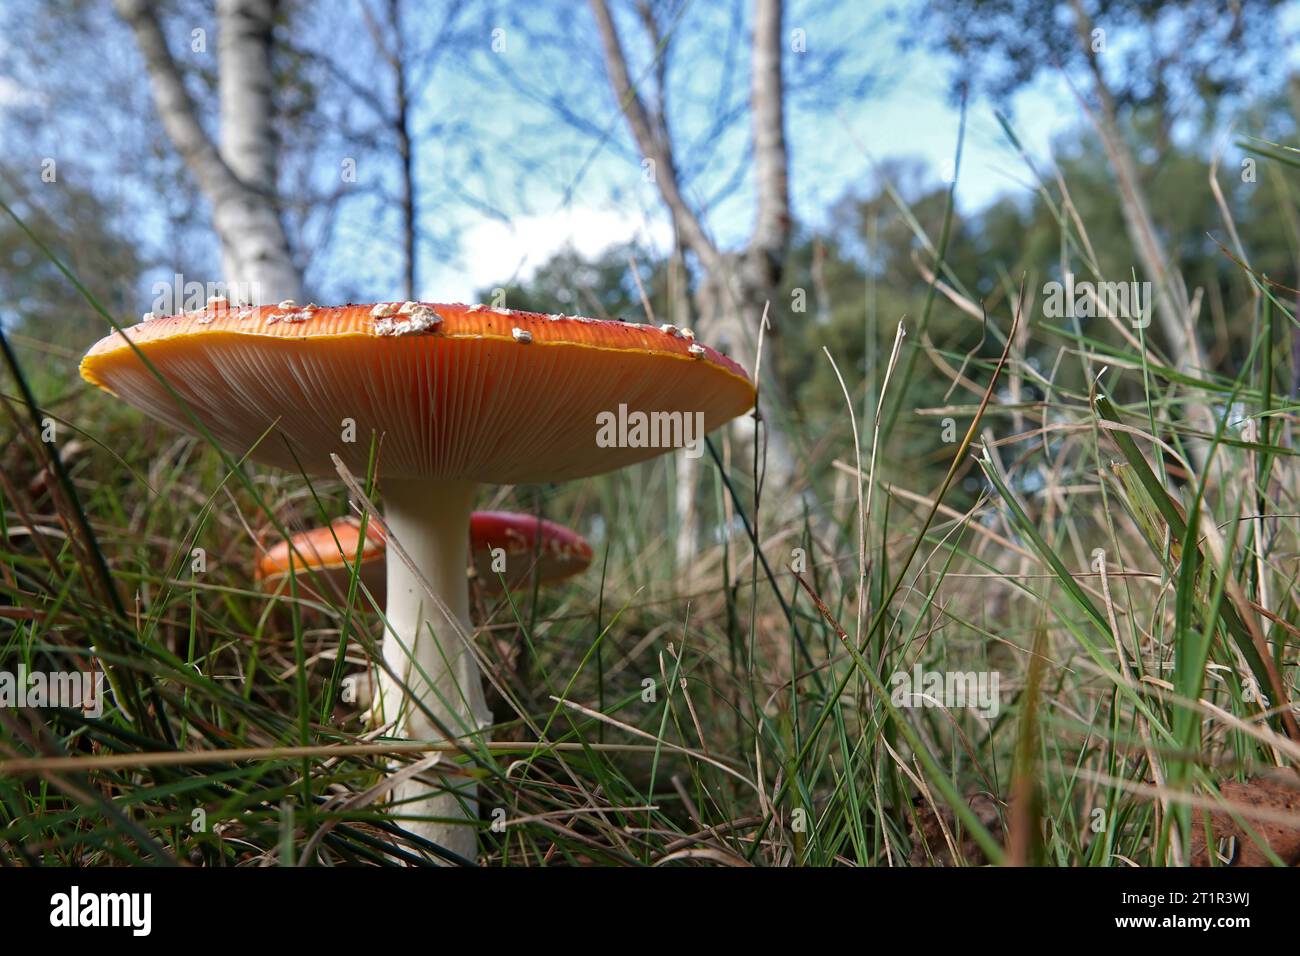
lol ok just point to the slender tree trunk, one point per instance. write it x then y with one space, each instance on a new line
238 179
255 247
734 288
688 469
405 150
1171 306
408 206
764 260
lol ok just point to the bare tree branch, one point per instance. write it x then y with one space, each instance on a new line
643 131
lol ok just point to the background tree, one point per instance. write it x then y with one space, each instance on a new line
238 170
80 230
1129 63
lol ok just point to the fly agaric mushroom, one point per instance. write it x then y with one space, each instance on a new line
528 545
331 551
457 396
329 554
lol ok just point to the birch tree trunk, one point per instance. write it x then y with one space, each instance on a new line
238 178
688 469
764 261
736 287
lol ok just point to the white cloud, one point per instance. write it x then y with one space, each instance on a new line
493 253
14 94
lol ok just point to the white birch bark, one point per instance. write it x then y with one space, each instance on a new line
238 177
737 286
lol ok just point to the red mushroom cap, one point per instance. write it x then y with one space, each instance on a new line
330 552
456 392
560 553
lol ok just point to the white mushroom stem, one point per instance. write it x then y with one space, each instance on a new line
426 647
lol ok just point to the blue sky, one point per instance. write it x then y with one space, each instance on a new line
834 149
833 152
548 184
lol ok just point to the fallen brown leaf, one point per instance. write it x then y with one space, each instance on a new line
930 847
1277 791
